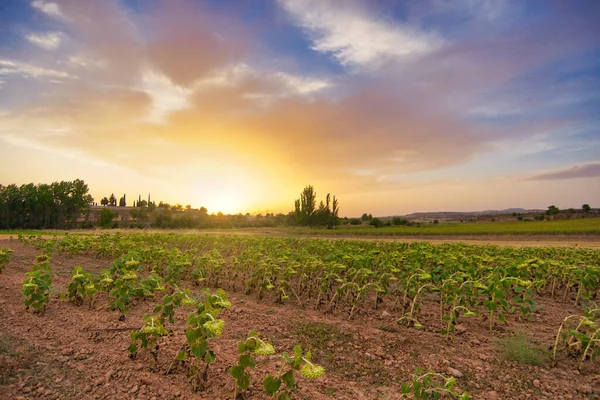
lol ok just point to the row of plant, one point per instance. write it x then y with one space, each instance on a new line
352 277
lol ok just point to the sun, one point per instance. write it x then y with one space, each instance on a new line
227 201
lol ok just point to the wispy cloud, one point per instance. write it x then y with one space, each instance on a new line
10 67
356 37
590 170
49 8
45 40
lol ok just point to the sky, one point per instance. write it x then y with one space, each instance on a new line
236 105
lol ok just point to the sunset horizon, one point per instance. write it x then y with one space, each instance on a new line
393 107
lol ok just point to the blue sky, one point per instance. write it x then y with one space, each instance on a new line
394 106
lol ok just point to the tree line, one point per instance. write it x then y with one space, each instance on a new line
44 206
307 214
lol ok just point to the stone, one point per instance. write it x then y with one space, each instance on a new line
454 372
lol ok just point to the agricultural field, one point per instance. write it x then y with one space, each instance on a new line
165 316
580 226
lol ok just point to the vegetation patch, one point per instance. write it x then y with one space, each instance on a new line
522 349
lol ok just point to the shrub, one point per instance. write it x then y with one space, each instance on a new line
521 349
105 219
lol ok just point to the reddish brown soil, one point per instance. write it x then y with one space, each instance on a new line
73 352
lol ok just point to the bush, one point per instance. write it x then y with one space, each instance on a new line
105 219
355 221
376 222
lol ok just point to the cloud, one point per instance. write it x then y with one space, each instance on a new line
10 67
46 40
590 170
185 45
49 8
356 37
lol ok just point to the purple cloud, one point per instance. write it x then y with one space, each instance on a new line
590 170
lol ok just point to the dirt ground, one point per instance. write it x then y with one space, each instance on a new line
74 352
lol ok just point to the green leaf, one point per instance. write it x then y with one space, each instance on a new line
246 361
244 382
236 372
181 356
298 351
288 379
199 349
209 356
241 347
192 334
271 384
405 388
284 396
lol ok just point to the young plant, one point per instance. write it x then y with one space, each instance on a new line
298 361
123 292
148 337
431 385
202 325
584 339
36 287
452 318
4 258
171 302
81 286
247 348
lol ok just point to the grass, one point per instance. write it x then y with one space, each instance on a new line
520 348
581 226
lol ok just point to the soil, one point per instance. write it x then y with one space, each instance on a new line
78 352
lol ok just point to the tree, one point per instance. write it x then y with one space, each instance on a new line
552 210
112 200
123 201
355 221
104 201
305 206
366 217
376 222
333 218
586 208
105 219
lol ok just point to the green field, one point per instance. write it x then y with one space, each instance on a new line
582 226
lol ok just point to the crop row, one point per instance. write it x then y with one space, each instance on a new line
353 277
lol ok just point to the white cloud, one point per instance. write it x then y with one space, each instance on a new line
356 37
46 40
49 8
283 83
301 84
8 67
166 96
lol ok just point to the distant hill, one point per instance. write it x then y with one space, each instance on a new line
466 215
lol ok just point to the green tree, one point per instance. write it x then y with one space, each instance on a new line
305 207
376 222
112 200
552 210
105 219
586 208
104 201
